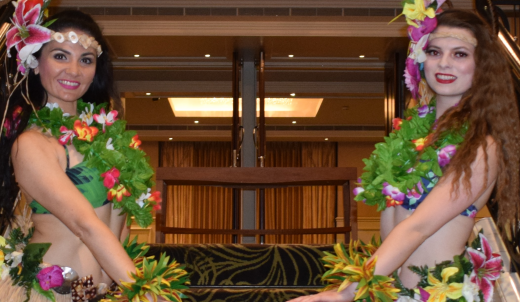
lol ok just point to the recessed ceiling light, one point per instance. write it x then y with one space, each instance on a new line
362 56
291 56
136 55
207 55
293 94
148 93
326 139
294 122
196 122
171 138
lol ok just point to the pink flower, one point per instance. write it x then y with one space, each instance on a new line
486 268
111 177
27 35
445 155
105 119
425 27
67 135
415 193
50 277
412 77
424 295
393 195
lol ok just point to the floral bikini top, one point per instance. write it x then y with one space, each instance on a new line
413 198
87 181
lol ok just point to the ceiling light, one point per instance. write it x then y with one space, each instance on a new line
196 122
136 55
293 94
171 138
291 56
148 93
207 55
362 56
326 138
294 122
223 107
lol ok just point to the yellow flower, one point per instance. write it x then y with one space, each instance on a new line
439 291
417 11
2 241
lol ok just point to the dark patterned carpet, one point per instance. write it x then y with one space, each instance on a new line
227 272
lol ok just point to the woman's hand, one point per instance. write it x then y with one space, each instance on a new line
328 296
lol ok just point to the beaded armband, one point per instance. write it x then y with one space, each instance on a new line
356 265
156 278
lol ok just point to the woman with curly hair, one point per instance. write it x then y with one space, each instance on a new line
476 112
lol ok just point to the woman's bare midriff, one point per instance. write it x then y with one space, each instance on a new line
447 242
67 249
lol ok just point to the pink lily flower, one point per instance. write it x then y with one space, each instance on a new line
105 119
27 35
67 135
486 268
111 177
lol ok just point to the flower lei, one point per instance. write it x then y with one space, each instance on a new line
396 167
112 150
472 278
22 261
158 278
356 265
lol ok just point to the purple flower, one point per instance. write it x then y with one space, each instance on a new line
445 154
425 27
392 192
424 295
412 77
50 277
358 190
424 110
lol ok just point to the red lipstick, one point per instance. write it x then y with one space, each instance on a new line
444 78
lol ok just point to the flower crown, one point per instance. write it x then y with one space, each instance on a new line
28 34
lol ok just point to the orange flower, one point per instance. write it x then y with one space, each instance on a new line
135 142
419 143
396 123
84 132
390 202
118 193
156 198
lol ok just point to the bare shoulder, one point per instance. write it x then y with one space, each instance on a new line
33 142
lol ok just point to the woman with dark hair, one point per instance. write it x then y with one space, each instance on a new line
70 158
438 179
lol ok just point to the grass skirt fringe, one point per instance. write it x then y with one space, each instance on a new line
10 293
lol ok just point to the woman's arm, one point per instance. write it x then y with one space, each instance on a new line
39 173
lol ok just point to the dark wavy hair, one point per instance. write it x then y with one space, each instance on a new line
490 108
101 90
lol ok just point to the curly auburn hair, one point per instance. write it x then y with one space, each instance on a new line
490 109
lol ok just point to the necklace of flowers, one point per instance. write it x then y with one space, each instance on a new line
396 168
110 149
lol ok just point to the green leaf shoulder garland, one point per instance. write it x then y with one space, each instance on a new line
399 166
114 152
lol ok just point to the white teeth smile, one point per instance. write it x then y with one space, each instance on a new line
69 83
445 77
